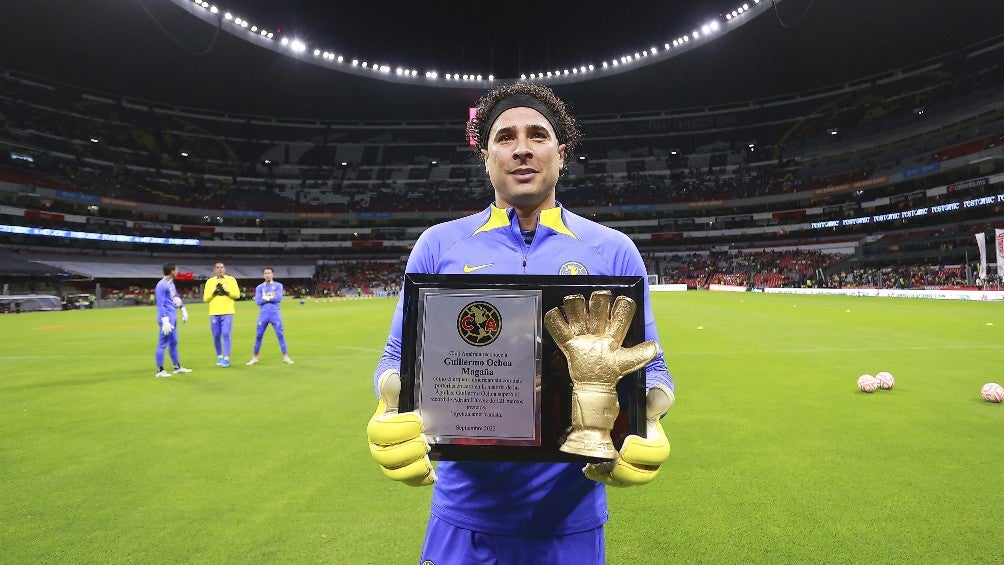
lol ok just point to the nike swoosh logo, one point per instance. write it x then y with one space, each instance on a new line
470 269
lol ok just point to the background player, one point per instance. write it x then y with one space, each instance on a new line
267 296
221 291
167 301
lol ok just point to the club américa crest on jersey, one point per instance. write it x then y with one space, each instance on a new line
573 268
479 323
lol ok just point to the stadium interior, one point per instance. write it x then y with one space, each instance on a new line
875 182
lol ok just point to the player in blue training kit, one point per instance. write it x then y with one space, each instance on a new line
267 296
507 512
167 300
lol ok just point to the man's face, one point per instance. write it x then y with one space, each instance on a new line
219 270
523 159
268 275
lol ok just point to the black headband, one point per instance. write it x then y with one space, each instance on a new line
520 101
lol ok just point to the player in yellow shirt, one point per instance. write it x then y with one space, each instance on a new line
221 292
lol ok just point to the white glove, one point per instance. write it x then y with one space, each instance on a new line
639 458
397 440
165 326
184 315
177 302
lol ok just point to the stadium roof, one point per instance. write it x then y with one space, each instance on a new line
153 49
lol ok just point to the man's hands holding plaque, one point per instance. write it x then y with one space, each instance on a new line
591 340
397 440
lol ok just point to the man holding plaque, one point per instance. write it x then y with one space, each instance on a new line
509 512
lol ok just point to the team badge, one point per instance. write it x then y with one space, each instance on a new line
573 268
479 323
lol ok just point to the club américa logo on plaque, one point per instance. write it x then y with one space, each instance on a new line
479 323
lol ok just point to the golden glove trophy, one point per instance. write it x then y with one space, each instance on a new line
591 340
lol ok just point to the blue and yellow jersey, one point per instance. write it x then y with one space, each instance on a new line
522 498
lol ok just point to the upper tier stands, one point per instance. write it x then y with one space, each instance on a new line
769 173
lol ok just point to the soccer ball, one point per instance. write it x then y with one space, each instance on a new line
867 383
885 380
992 392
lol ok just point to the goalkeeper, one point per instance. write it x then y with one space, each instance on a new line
507 512
167 300
221 292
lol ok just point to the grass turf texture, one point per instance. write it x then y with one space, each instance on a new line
777 457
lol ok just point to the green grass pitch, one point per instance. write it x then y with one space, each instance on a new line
777 457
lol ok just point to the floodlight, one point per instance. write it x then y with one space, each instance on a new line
298 46
228 16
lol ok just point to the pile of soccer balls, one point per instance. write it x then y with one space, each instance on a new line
883 380
991 392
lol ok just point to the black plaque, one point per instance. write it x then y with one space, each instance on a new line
435 307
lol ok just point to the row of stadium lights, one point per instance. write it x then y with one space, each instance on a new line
298 47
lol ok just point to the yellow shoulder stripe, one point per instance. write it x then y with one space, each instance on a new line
552 219
497 219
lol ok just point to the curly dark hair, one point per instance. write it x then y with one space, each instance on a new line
477 129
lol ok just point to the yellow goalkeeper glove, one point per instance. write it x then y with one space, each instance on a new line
397 441
639 458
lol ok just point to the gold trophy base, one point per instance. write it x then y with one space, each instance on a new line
590 443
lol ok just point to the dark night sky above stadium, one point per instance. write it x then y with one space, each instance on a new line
464 36
152 49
